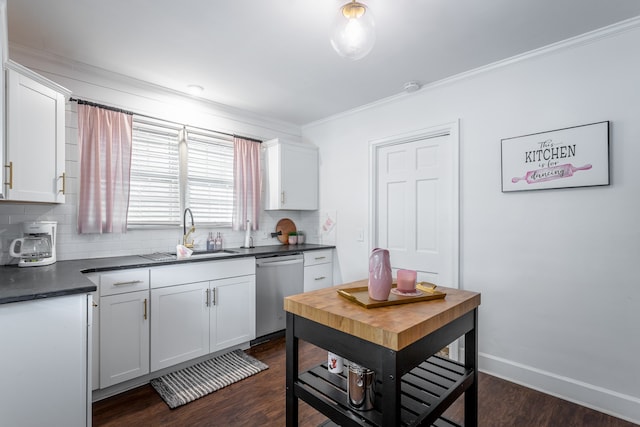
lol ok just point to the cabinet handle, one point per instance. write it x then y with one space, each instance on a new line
318 258
64 182
10 183
214 296
132 282
206 291
320 278
282 198
145 309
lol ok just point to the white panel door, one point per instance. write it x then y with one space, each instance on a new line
35 140
179 324
43 362
416 215
233 311
124 337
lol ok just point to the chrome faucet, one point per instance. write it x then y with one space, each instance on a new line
185 234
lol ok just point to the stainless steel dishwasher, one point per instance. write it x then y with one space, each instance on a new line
277 276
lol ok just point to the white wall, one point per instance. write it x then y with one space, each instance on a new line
139 97
557 269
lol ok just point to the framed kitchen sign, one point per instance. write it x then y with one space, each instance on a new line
571 157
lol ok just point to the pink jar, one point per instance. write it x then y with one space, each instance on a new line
407 280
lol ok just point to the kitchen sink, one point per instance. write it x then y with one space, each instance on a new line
165 256
205 254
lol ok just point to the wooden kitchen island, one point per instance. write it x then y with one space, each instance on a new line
398 342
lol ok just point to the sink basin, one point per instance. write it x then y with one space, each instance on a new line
163 256
205 254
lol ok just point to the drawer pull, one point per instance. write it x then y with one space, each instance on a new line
64 183
145 309
131 282
318 258
320 278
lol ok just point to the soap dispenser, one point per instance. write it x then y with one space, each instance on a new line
210 242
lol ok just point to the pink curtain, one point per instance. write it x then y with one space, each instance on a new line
247 182
104 138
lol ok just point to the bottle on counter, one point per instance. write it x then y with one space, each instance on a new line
218 242
210 242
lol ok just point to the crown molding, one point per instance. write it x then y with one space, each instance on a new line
570 43
57 65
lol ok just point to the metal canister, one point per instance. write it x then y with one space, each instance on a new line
360 387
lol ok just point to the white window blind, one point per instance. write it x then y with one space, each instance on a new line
210 177
155 175
155 193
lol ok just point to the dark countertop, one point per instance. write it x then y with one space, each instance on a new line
67 278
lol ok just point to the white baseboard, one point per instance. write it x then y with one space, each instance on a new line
598 398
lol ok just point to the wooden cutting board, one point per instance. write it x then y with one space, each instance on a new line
285 226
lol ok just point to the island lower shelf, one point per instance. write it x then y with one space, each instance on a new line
427 390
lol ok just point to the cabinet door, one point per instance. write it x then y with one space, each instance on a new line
292 176
299 177
318 276
233 314
95 342
35 141
44 362
124 337
179 324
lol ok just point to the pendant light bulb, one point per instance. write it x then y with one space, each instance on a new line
352 33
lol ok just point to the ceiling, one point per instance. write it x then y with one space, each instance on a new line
274 57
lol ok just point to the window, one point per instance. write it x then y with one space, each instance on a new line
210 177
155 175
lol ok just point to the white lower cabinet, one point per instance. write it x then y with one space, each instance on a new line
45 345
124 337
123 331
155 318
318 269
232 319
179 324
194 319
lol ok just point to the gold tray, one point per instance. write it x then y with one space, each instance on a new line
360 295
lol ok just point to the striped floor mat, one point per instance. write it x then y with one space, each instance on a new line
189 384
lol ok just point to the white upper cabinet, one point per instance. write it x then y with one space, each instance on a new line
291 175
4 51
34 138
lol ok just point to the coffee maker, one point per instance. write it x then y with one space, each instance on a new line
37 246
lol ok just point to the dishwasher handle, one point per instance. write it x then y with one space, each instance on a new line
277 263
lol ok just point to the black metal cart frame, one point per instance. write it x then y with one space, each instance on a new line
414 387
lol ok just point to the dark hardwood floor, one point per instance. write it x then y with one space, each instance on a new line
260 401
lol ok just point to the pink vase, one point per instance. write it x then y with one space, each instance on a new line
380 279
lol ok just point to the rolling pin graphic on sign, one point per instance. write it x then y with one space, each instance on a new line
547 174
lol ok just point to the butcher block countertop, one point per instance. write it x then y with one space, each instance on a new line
394 326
